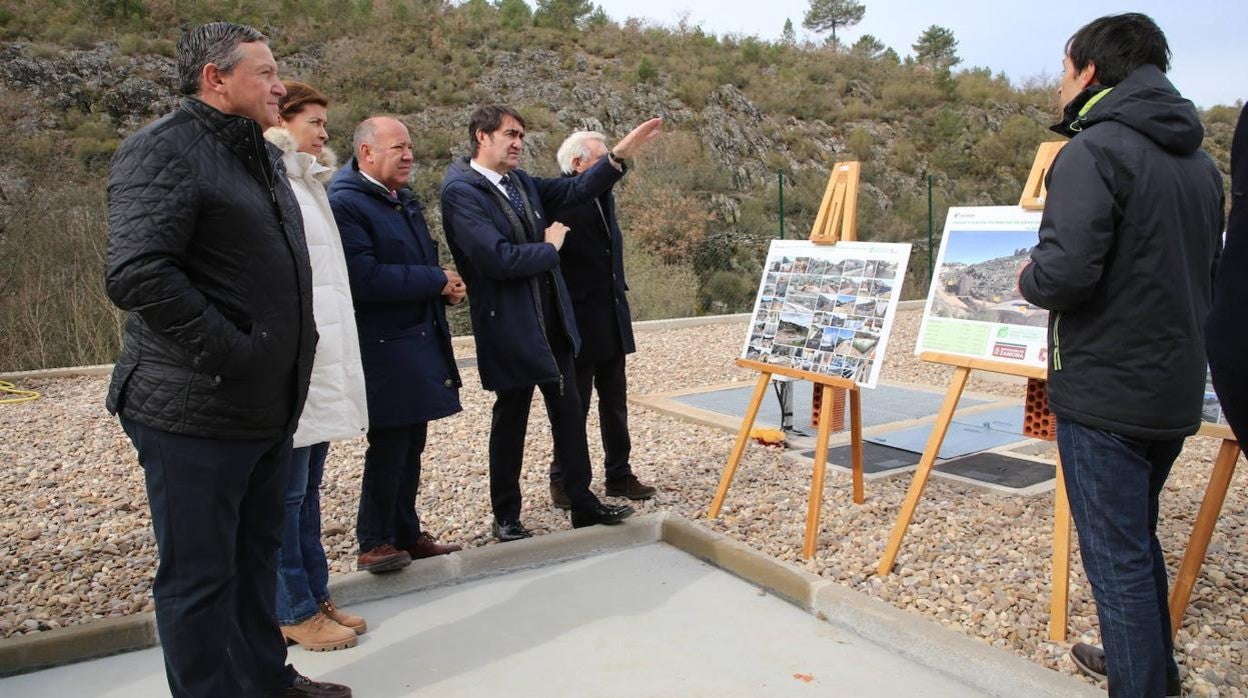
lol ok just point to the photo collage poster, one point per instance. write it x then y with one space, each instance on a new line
974 307
1211 410
827 309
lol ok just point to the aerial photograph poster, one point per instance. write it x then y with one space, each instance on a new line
827 309
974 307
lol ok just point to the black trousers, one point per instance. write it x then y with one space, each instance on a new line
387 512
608 376
217 512
567 426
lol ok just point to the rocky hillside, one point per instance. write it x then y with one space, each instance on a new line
75 78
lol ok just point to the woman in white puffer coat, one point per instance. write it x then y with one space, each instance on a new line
336 407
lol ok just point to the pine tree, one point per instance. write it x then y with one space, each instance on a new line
937 48
788 37
868 46
825 15
515 13
561 14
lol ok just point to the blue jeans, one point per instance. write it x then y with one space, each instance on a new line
303 573
1113 482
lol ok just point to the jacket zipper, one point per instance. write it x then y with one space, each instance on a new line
1057 349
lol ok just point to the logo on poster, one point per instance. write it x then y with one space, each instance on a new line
1016 352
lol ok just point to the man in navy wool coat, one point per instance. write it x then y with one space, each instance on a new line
508 252
410 376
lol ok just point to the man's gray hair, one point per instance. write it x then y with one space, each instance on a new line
217 43
577 146
366 132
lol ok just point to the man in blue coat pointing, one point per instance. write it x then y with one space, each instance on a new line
508 252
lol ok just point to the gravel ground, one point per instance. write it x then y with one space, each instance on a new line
77 543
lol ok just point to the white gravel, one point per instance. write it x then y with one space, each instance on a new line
77 543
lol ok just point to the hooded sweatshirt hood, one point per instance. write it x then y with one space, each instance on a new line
1145 101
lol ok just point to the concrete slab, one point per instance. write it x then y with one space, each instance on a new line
656 607
684 628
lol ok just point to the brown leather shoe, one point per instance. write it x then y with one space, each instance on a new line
630 487
558 497
303 687
341 617
383 558
320 634
425 546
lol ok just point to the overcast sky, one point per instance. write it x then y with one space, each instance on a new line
1209 38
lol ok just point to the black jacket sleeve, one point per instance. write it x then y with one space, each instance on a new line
1076 231
152 213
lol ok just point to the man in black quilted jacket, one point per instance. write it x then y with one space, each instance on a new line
1128 241
206 252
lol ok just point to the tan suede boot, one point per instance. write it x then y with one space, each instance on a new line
341 617
320 634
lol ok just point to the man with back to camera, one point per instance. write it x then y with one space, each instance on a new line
508 252
592 263
206 251
410 376
1128 242
1227 343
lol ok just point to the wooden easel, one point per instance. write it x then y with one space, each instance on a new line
835 221
1031 199
1202 530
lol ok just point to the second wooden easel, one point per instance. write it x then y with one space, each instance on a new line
836 220
1202 530
1032 199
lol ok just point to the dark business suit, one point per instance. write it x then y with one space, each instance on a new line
521 318
592 261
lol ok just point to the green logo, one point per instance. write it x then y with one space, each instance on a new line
1003 333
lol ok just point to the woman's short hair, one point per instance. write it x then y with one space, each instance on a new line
298 96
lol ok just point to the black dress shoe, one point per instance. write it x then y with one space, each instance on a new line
303 687
506 531
601 514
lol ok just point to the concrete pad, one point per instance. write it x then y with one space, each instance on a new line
684 628
632 616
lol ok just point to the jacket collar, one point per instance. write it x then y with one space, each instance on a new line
298 164
231 128
241 135
349 175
